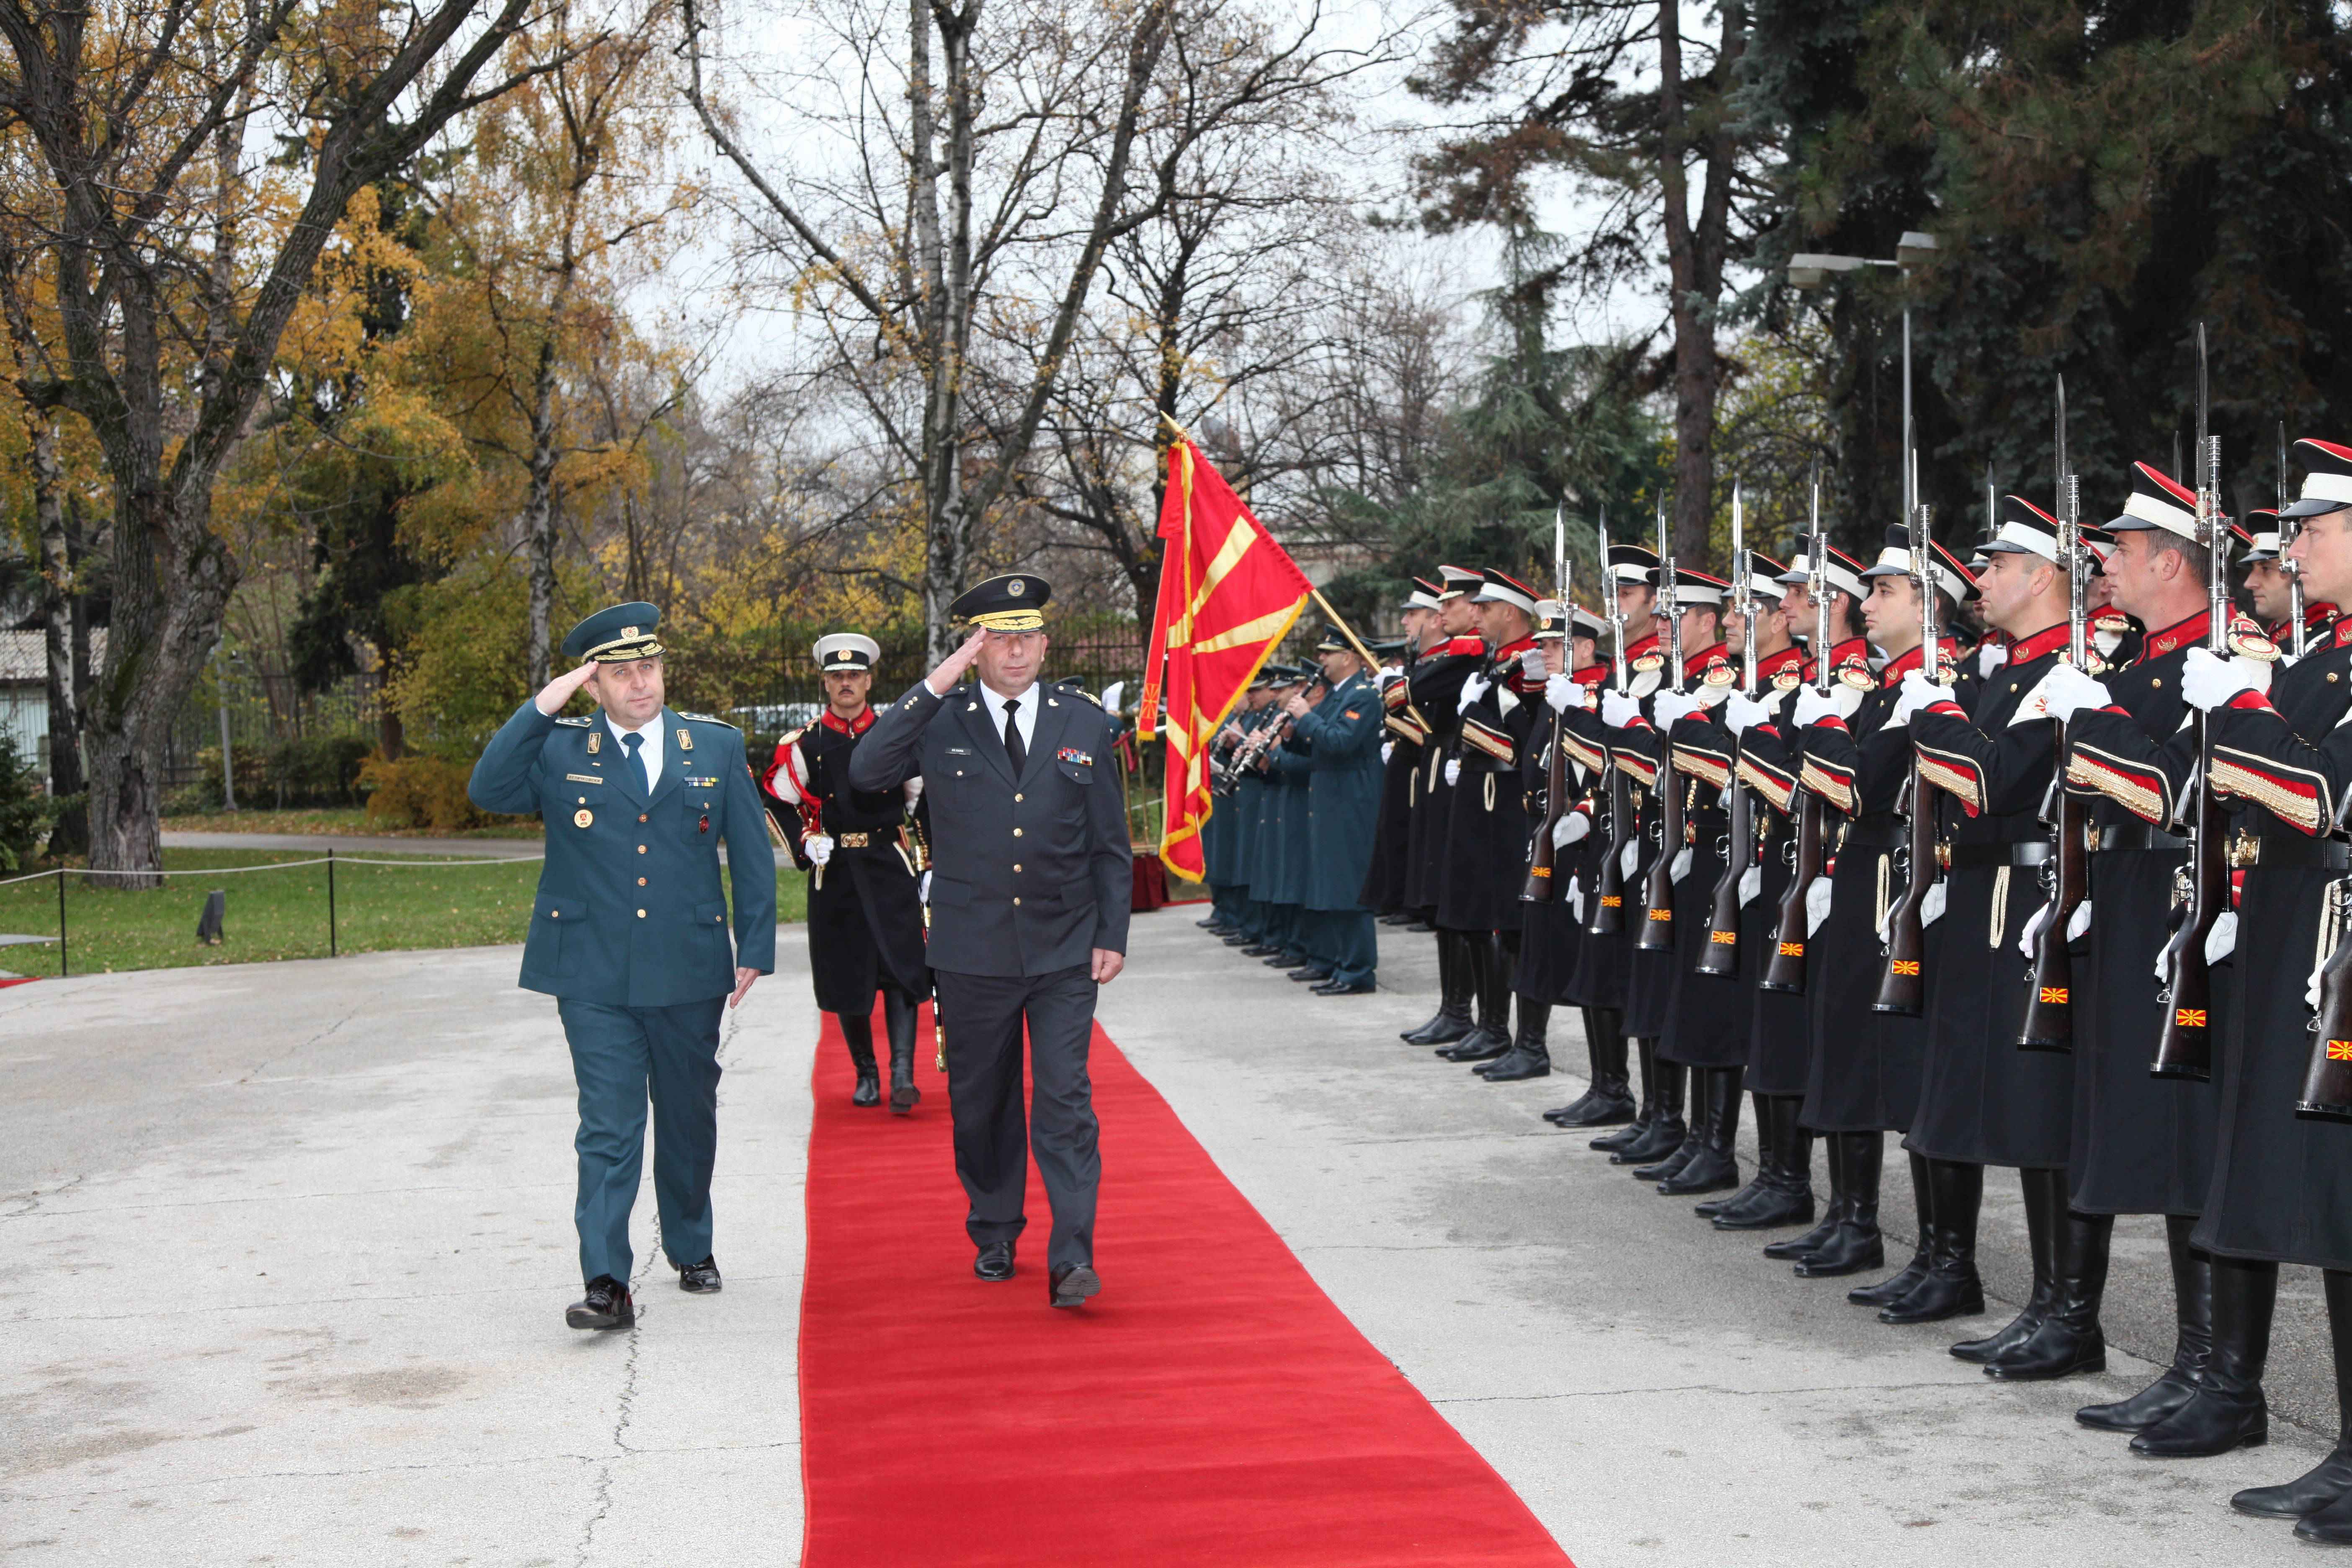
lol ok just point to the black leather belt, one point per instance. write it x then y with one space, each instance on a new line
2029 852
1876 833
2139 836
2333 853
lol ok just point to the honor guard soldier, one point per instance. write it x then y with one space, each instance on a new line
1551 928
1580 840
1436 680
860 851
629 931
1384 880
1339 739
2270 586
1032 882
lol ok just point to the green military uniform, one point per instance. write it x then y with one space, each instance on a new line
629 932
1340 739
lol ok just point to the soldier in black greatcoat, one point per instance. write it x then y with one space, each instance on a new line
1384 880
1435 682
864 909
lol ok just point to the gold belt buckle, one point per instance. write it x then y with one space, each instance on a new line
2246 850
852 840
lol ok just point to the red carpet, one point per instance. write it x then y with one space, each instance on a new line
1211 1406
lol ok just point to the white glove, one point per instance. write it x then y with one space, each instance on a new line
1917 692
912 789
1475 688
1571 827
923 889
818 847
1990 656
1682 866
1931 907
1740 711
1562 693
1453 769
1388 750
1816 903
1576 898
1619 711
2223 940
1534 665
2066 691
1629 857
1669 708
2209 681
2080 921
1812 707
1751 885
2033 931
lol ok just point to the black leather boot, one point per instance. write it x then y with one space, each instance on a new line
1452 1019
1790 1248
1896 1286
1666 1130
2069 1339
1785 1193
2192 1343
1492 1037
2227 1410
898 1017
1950 1287
1646 1051
1757 1183
1715 1167
1856 1244
1673 1157
1529 1056
1609 1100
2041 1188
2318 1496
857 1029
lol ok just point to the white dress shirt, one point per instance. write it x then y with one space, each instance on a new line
651 750
1024 714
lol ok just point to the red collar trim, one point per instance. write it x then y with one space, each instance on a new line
1696 663
1635 650
1591 674
2048 640
840 726
1462 645
1773 663
1512 650
1905 663
2317 616
2178 636
2343 632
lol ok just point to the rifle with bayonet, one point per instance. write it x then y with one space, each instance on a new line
1658 892
1903 988
2288 527
1542 858
2049 1023
2185 1046
1721 955
1607 915
1785 970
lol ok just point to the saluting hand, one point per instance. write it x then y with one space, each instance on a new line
557 692
943 680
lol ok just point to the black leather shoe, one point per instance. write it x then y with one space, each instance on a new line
605 1306
1735 1202
1236 939
1311 973
1855 1246
1259 950
1286 960
1777 1207
1627 1133
1664 1135
1517 1065
1682 1154
1396 918
1070 1285
1211 923
2213 1422
2002 1340
1338 987
1600 1106
1946 1290
2305 1495
2142 1410
699 1278
1708 1171
994 1261
2331 1526
1483 1044
1420 925
1895 1287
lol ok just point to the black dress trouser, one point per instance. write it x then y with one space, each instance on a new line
982 1015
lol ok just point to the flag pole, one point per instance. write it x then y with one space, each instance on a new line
1345 629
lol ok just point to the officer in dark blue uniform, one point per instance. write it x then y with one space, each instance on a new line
1032 880
629 931
1339 738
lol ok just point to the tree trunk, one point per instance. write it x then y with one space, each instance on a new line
539 512
60 609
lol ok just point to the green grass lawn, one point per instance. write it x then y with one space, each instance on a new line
283 914
339 819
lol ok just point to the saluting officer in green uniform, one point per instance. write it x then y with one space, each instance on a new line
629 932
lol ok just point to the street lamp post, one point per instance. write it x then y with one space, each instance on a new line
1811 269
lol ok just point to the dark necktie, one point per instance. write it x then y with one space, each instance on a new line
634 746
1013 747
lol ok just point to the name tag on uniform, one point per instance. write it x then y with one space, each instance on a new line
958 751
585 778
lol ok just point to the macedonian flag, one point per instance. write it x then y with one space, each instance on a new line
1228 594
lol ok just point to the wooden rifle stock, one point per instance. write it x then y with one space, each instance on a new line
1903 988
1542 858
1658 892
1608 916
2050 980
1784 970
2185 1046
1721 956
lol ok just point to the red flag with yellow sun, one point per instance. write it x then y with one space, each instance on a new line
1228 594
